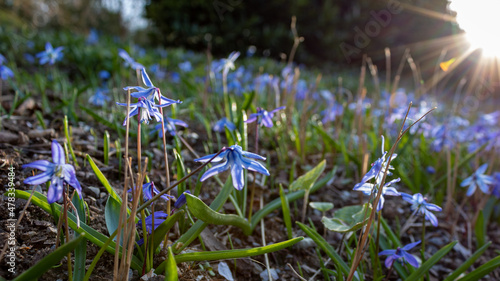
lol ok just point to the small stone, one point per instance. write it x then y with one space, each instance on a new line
95 190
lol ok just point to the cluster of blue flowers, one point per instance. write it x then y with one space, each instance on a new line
5 72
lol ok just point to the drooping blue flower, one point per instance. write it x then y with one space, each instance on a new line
129 61
99 98
378 168
2 59
181 200
369 188
50 55
149 190
148 109
235 159
57 173
401 255
223 123
5 72
157 71
169 126
478 179
420 205
185 66
151 93
263 117
160 217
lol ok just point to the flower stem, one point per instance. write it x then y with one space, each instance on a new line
252 193
66 228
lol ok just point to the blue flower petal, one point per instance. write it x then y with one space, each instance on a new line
42 165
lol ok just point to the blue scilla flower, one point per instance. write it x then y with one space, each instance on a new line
401 255
160 217
169 126
104 75
420 205
93 37
369 188
478 179
149 190
235 159
223 123
2 59
334 110
5 72
99 98
378 168
148 109
151 93
157 71
129 61
57 173
263 117
50 55
181 200
496 185
185 66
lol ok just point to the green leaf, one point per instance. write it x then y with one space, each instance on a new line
171 274
112 216
103 180
286 213
321 206
481 271
81 249
106 148
34 272
424 268
164 227
480 230
347 219
306 181
198 227
453 276
68 140
204 213
230 254
326 247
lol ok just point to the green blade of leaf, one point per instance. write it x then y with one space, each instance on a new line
480 230
286 213
111 191
306 181
424 268
171 274
198 227
454 275
164 227
112 216
204 213
327 248
481 271
81 249
34 272
106 148
347 219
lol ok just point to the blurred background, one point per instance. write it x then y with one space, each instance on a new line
335 34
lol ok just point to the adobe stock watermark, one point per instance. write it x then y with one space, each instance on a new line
372 29
221 7
10 257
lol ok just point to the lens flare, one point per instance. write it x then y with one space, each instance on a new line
479 19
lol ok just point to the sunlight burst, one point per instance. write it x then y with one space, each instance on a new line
479 19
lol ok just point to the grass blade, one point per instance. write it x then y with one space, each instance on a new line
453 276
424 268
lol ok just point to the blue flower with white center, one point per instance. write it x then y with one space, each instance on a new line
160 217
169 126
236 160
401 255
420 205
223 123
151 93
5 72
148 109
50 55
263 117
58 173
149 190
129 61
378 168
478 179
369 188
99 98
